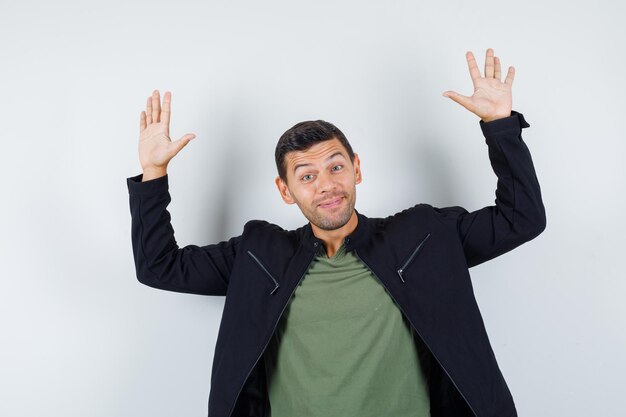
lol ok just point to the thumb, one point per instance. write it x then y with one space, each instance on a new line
181 143
461 99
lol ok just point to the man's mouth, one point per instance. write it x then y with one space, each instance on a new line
331 203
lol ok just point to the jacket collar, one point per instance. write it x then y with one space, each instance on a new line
355 239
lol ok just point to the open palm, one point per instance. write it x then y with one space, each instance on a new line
156 148
492 98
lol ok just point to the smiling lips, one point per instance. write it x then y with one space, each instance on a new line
332 203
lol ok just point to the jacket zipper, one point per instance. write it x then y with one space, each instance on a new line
415 328
273 330
403 267
276 285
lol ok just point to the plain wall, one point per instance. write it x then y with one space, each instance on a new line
80 336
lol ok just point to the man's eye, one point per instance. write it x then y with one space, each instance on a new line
337 167
307 177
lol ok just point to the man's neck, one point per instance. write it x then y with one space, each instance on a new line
333 239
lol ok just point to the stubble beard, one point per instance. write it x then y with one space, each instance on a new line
334 221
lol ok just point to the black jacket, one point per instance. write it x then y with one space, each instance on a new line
421 255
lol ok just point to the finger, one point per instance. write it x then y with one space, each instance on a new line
156 106
497 74
142 121
510 76
473 68
165 111
461 99
182 142
489 67
149 111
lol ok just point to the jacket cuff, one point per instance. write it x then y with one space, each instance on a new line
515 122
154 186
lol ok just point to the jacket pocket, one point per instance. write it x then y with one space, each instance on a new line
411 257
273 280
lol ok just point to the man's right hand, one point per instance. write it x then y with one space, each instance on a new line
156 149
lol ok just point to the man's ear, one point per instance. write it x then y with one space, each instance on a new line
357 169
284 190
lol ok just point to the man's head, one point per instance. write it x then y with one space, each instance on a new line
318 171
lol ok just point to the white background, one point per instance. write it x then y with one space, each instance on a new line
79 336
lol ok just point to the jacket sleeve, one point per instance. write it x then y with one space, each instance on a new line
159 262
518 214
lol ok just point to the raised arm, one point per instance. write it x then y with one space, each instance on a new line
159 262
518 214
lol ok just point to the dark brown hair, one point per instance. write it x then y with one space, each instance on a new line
302 136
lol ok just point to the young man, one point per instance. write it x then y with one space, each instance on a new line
347 315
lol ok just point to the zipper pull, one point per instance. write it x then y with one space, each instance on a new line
400 271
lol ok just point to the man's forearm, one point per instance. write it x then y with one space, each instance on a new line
159 261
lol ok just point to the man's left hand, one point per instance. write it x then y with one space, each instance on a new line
492 98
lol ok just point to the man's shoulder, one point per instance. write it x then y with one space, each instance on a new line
262 230
422 211
418 216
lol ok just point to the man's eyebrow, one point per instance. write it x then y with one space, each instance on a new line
327 159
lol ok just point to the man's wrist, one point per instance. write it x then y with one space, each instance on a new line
492 118
514 123
153 173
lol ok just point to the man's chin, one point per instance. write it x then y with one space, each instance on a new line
330 222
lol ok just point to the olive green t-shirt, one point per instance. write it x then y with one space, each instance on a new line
343 348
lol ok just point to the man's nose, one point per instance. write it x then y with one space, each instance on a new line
325 182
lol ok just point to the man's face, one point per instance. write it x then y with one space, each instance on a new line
322 182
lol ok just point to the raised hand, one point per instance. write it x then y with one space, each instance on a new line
492 98
156 149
